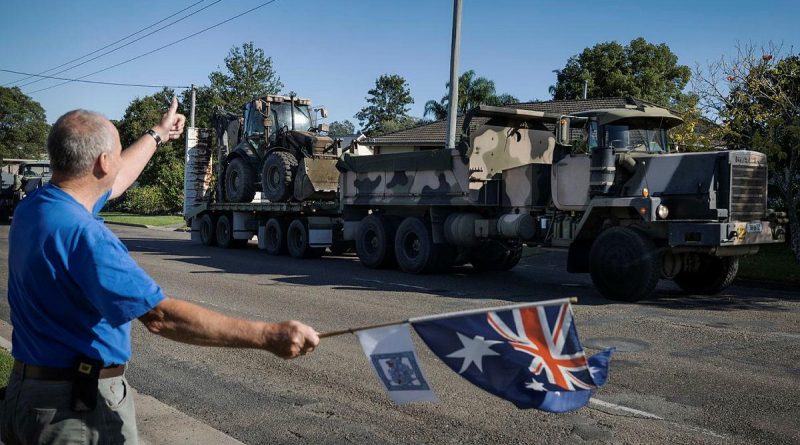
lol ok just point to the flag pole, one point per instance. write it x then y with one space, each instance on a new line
573 300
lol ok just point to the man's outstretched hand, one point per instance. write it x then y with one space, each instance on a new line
290 339
172 122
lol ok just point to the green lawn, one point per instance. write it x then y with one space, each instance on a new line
150 220
772 263
6 362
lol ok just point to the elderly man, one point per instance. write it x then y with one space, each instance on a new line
74 290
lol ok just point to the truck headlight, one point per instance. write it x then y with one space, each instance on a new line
662 211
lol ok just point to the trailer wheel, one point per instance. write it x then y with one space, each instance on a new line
375 241
207 235
624 264
711 277
275 232
224 234
240 181
297 241
414 248
495 257
277 176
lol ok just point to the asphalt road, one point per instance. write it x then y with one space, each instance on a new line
688 369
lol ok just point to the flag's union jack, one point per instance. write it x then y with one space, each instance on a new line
543 333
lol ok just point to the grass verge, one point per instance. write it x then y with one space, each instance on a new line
150 220
772 263
6 363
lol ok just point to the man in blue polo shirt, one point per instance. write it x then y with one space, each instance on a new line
74 290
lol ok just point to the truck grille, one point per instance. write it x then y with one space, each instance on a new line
748 192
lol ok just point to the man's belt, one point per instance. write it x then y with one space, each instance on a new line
46 373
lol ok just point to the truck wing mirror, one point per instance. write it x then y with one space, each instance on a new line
323 127
323 112
563 132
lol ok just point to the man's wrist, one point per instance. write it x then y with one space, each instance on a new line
162 134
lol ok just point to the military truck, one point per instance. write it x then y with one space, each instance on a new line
18 178
629 210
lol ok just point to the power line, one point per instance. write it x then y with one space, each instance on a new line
127 44
160 48
96 81
109 45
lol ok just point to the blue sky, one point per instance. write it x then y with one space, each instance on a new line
332 51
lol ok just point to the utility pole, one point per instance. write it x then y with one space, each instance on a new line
194 104
585 89
455 49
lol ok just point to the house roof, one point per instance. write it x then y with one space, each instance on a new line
434 133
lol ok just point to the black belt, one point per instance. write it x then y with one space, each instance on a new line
46 373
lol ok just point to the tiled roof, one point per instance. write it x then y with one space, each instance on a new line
434 133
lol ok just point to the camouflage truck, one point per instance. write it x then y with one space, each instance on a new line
628 210
18 178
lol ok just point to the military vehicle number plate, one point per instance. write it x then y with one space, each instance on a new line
754 227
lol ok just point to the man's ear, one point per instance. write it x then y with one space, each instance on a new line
104 163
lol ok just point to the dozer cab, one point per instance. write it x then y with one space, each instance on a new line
277 151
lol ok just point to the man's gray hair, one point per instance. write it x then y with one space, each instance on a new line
76 141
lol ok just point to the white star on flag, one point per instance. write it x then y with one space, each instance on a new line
474 350
534 385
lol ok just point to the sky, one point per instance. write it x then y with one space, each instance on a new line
332 51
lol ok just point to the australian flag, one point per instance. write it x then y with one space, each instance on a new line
530 356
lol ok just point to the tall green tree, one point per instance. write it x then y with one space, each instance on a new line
23 125
641 69
162 178
387 105
472 91
339 129
755 98
248 74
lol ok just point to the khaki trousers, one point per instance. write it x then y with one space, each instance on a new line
38 412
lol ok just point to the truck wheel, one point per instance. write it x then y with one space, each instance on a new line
495 256
624 264
414 248
277 176
713 275
207 235
297 241
275 231
224 232
375 241
240 181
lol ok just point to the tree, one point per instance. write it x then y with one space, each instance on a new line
472 91
249 75
641 69
23 125
755 97
387 101
163 175
339 129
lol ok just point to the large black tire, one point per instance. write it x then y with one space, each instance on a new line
224 234
414 248
625 265
495 256
297 241
275 233
207 230
375 241
277 176
240 181
711 277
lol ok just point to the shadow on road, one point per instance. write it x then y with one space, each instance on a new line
537 278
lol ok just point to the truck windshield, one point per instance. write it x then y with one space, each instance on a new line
636 138
282 114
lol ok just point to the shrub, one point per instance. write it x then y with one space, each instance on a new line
144 200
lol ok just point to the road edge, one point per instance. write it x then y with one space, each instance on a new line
157 422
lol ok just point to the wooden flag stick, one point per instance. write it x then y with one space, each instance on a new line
573 300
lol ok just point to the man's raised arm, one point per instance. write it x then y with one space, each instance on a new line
136 157
188 323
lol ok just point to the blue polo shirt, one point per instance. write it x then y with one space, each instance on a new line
72 286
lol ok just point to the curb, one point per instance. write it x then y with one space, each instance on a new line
770 285
144 226
157 422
